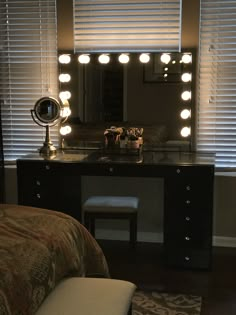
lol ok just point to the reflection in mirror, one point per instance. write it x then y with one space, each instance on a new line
158 93
47 110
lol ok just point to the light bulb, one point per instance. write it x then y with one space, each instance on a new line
186 58
186 77
65 112
186 95
65 95
185 114
64 77
84 59
165 58
104 59
123 58
144 58
64 130
185 132
64 59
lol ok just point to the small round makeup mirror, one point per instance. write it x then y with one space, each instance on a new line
47 110
46 113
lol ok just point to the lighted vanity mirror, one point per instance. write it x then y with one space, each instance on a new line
142 94
47 109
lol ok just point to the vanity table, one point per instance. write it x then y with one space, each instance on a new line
55 183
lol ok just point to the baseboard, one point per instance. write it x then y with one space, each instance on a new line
223 241
154 237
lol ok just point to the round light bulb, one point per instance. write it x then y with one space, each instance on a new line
64 77
186 77
65 112
65 95
84 59
185 114
186 58
144 58
123 58
186 95
64 59
185 132
165 58
104 59
64 130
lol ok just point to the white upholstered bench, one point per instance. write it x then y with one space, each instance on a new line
89 296
111 207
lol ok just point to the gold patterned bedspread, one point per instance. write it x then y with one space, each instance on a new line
38 248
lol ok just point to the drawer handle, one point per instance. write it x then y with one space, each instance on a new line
178 171
111 169
187 238
187 219
187 258
38 196
47 167
188 187
38 183
188 202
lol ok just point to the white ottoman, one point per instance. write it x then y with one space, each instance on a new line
89 296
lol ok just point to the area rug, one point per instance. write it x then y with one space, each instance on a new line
150 303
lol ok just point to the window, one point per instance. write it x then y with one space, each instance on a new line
28 71
216 121
127 25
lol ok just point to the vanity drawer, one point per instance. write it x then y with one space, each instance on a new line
51 187
188 258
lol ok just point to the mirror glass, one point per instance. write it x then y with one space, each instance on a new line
47 110
137 93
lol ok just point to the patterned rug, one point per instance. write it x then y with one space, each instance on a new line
150 303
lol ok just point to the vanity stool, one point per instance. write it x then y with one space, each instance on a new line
111 207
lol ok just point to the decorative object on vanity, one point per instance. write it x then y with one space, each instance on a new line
124 140
47 112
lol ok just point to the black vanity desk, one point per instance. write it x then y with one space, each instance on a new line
188 192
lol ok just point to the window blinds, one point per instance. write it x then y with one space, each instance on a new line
216 123
28 71
127 25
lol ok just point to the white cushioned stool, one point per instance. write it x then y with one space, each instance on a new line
89 296
111 207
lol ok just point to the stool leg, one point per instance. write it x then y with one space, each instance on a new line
133 230
92 226
89 223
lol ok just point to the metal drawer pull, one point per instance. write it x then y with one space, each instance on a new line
187 219
38 182
38 196
111 169
178 171
188 202
187 238
187 258
47 167
188 187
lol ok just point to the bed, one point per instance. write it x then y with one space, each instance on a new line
38 249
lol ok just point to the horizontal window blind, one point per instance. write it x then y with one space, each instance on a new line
216 123
28 71
127 25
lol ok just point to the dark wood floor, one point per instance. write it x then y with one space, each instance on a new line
145 267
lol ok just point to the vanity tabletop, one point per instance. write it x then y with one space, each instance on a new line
149 157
